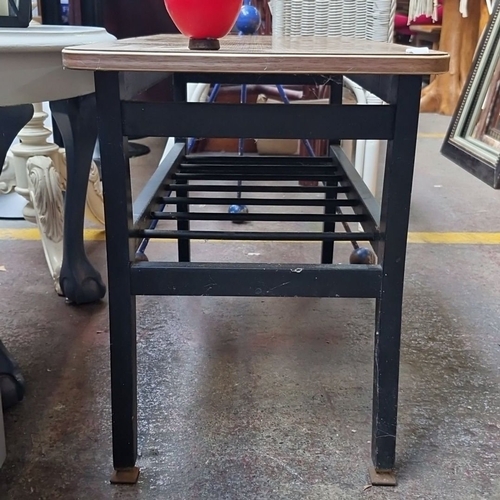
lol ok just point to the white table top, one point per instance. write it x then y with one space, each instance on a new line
31 63
43 38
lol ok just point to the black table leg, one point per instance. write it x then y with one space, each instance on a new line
183 245
327 247
76 119
395 211
122 311
12 120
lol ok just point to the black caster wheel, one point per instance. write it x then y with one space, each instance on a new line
12 389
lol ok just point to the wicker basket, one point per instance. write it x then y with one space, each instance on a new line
361 19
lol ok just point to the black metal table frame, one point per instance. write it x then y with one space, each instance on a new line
384 226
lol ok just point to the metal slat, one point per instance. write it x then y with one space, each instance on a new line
250 235
235 176
257 189
254 158
286 202
257 217
244 170
212 167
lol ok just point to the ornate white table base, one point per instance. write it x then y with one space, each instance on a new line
32 71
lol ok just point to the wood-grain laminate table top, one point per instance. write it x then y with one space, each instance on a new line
256 54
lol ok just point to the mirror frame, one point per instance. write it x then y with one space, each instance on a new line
481 94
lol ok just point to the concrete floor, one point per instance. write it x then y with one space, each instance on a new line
269 399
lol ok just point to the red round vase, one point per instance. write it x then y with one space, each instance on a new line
204 19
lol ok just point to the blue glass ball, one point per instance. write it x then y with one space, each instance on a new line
362 255
238 209
248 21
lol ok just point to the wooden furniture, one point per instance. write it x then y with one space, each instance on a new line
426 34
388 71
463 22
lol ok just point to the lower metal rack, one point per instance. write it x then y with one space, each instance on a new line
191 181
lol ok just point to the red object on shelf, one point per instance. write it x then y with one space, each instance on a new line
403 28
204 19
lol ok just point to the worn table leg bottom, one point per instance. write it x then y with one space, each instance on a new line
382 478
125 476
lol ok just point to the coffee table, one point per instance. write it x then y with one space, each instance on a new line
124 67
